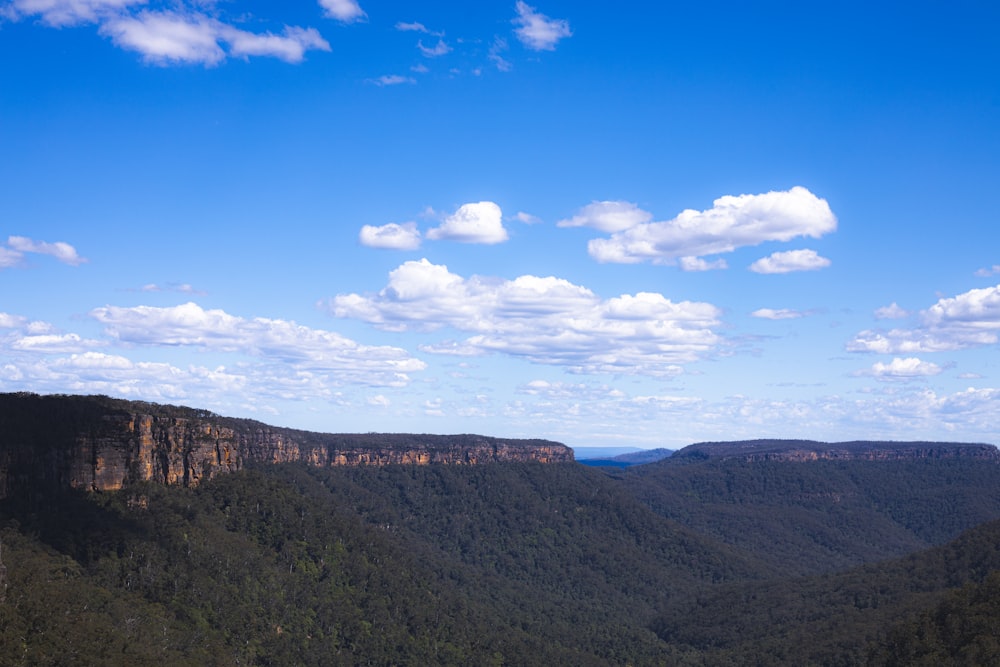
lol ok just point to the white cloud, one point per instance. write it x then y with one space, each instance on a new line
527 218
495 54
171 37
971 319
435 51
411 27
53 343
393 80
537 31
891 312
910 368
71 12
701 264
18 246
391 236
277 341
481 222
608 216
790 261
8 321
346 11
779 314
732 222
546 320
988 272
379 401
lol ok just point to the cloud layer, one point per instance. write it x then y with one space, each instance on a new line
546 320
971 319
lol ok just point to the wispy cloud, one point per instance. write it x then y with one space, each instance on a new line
971 319
546 320
18 246
732 222
891 312
435 51
59 13
537 31
495 54
989 271
777 314
393 80
608 216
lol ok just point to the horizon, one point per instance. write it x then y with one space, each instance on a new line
639 227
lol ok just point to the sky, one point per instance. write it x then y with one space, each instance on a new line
631 224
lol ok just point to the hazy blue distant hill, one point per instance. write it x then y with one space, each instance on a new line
628 459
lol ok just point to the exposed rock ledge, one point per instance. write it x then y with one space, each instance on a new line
100 443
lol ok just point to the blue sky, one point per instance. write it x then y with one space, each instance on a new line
601 224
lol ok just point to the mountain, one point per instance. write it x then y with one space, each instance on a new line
811 450
101 443
887 556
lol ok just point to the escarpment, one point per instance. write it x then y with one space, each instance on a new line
100 443
858 450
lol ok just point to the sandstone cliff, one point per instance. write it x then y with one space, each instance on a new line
99 443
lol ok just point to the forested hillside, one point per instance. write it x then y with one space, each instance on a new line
686 561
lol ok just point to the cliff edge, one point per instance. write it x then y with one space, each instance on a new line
101 443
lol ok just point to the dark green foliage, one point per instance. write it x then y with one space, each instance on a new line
689 561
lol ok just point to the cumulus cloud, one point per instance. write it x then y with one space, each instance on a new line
480 222
733 222
608 216
18 246
910 368
546 320
971 319
790 261
171 37
779 314
346 11
277 341
537 31
391 236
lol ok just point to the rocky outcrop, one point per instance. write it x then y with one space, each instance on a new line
810 450
99 443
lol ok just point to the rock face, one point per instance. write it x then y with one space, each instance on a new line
99 443
810 450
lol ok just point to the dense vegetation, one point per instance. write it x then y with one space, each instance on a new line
686 561
502 564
